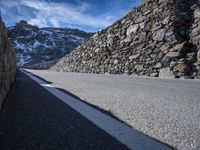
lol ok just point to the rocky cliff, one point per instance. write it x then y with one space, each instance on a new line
35 45
7 63
159 39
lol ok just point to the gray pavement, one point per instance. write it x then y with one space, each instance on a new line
166 109
34 119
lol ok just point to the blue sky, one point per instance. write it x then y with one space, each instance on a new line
88 15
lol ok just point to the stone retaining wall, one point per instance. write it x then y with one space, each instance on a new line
157 39
195 35
7 63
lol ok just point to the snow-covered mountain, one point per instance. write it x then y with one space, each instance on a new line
37 45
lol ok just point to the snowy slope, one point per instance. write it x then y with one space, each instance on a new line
37 45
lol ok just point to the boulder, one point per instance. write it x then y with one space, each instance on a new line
159 35
182 68
198 56
132 29
173 54
166 73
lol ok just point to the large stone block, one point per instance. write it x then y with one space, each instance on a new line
132 29
198 56
166 73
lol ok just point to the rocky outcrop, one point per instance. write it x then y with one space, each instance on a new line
159 39
7 63
35 45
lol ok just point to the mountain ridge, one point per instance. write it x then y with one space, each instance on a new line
37 45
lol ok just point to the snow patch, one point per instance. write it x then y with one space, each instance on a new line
19 46
46 31
75 38
21 60
36 44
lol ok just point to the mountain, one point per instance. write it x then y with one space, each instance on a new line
37 45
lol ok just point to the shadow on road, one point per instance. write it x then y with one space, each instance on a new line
32 119
109 113
78 98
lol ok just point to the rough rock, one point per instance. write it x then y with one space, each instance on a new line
198 56
182 68
158 34
132 29
35 45
173 54
166 73
7 63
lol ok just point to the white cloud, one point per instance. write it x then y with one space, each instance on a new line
45 13
55 14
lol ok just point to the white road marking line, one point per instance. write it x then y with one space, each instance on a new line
46 85
128 136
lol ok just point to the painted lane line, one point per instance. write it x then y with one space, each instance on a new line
46 85
128 136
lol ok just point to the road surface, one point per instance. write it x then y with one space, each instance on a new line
34 119
165 109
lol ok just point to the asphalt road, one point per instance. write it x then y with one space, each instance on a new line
34 119
166 109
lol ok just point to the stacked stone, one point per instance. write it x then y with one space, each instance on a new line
151 40
7 63
195 35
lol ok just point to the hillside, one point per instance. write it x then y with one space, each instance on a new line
159 39
36 45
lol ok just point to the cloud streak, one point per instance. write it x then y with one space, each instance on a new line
60 13
50 13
